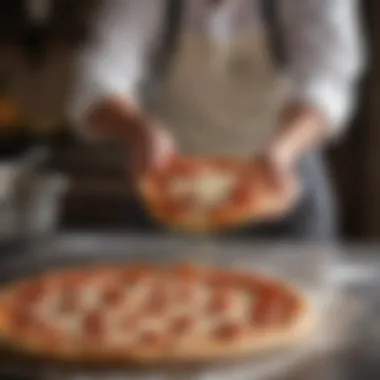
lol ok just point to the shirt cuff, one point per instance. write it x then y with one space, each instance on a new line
85 99
333 100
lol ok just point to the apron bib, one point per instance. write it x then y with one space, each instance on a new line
219 102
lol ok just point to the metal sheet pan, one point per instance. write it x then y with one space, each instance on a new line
306 266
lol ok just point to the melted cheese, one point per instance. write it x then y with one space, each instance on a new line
69 324
209 187
90 295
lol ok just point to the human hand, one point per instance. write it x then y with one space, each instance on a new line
280 179
148 143
151 148
301 129
279 172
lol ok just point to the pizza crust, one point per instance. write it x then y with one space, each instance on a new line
197 350
268 209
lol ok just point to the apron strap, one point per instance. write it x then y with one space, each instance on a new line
273 30
165 52
172 24
170 38
168 47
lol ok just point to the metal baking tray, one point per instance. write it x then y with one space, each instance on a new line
308 263
306 266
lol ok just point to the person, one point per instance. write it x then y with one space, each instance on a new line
228 77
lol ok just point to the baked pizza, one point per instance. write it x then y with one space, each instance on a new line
149 315
206 195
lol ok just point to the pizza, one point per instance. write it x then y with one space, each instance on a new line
211 194
149 314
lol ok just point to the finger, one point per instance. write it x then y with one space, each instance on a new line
151 150
271 173
162 148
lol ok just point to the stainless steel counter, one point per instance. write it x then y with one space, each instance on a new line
361 358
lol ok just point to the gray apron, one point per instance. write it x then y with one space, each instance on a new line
221 99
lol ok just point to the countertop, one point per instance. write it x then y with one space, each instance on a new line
359 270
361 358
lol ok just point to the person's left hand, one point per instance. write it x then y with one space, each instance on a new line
280 173
302 129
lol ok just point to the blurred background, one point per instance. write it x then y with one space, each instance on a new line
57 181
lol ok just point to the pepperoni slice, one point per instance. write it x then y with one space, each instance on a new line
260 313
32 293
183 167
228 331
182 324
151 338
131 277
94 324
263 295
25 320
177 205
157 301
266 304
275 310
291 305
22 317
69 301
187 272
221 301
222 280
185 292
241 195
113 295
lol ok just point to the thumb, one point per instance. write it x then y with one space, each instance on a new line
151 150
161 147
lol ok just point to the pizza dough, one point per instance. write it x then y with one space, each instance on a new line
211 194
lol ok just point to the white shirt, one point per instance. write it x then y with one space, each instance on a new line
322 38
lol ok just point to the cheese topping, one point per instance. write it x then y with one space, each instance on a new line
209 187
120 335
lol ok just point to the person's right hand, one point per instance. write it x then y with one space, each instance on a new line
150 148
148 143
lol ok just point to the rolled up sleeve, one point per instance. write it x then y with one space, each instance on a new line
326 55
116 59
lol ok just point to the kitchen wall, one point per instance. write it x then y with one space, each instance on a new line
369 122
40 62
39 58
